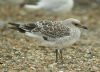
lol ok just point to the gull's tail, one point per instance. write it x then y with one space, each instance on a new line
17 27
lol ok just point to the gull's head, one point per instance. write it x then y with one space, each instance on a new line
75 22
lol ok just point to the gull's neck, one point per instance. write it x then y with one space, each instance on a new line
75 33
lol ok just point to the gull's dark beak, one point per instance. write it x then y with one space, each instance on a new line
84 27
80 25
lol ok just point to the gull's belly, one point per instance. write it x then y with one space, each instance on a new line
60 43
65 41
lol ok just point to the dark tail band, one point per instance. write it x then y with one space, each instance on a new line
16 26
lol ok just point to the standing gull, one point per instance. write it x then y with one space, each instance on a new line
55 34
51 5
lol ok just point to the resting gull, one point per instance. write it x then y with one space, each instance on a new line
51 5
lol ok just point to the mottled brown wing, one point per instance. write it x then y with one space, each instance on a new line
55 29
48 28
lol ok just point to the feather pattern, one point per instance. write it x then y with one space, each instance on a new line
47 28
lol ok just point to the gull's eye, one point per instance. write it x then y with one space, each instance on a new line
76 24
